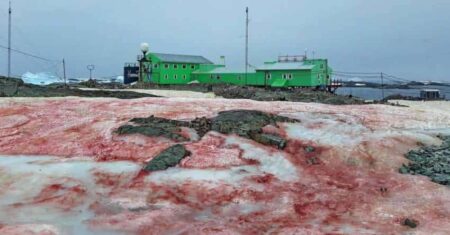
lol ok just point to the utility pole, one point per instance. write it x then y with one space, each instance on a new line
90 67
246 46
64 72
9 39
382 85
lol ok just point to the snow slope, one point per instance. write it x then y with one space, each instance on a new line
64 171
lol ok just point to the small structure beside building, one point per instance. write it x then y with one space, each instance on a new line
430 94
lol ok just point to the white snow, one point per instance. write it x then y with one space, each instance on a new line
179 175
274 163
26 176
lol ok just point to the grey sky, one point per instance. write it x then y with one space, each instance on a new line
407 38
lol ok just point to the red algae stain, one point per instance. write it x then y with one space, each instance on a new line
338 188
61 196
211 152
264 179
109 179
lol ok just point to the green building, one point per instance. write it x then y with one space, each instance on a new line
173 69
287 71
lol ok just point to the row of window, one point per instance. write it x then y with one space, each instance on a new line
175 66
175 77
218 77
288 76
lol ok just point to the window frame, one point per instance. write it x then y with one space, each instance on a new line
166 66
175 76
184 66
192 66
156 66
166 76
184 77
175 66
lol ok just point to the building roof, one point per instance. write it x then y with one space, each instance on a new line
431 90
189 59
224 70
285 66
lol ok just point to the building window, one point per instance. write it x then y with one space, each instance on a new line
184 77
290 76
166 76
321 66
166 66
218 77
284 76
184 66
268 76
175 66
211 76
175 77
192 66
155 66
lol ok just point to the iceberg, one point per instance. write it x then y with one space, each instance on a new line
40 78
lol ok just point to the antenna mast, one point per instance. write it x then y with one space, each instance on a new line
246 46
9 40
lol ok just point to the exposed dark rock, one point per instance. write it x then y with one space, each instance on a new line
310 149
13 87
155 130
269 139
201 125
260 93
410 223
168 158
245 123
286 94
18 89
431 161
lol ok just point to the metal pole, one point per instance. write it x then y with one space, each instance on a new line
382 85
140 71
246 46
91 68
9 40
64 71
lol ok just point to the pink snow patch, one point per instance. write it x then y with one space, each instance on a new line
210 152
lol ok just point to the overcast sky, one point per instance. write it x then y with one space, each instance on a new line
406 38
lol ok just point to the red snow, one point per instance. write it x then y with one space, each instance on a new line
210 152
61 196
339 189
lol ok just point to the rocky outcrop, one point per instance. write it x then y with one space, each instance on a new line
431 161
168 158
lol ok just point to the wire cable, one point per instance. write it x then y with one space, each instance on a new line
28 54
